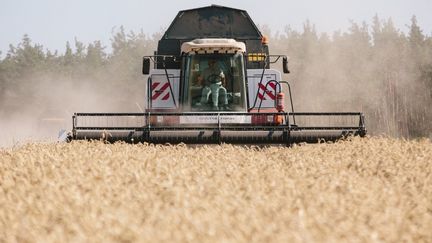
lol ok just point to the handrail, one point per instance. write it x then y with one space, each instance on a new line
290 96
266 57
169 84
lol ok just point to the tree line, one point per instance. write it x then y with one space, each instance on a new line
374 68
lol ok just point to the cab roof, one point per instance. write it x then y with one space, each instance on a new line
213 45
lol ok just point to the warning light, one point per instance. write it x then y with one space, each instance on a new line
264 40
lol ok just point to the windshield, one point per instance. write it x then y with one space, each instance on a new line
214 82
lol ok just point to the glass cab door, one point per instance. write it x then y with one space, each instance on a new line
214 82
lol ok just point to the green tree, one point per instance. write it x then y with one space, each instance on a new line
119 41
415 37
96 56
79 50
67 61
28 57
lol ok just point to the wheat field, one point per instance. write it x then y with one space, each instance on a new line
364 190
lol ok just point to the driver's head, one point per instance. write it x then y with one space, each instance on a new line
211 62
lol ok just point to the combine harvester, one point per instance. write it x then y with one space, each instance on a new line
212 83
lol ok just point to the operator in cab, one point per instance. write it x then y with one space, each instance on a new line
213 80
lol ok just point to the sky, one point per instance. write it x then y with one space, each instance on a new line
53 22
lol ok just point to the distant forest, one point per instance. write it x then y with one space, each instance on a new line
371 67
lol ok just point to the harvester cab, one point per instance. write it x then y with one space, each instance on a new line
214 76
211 82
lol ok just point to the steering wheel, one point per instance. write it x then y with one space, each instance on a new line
214 78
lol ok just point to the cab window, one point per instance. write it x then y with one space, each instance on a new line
214 82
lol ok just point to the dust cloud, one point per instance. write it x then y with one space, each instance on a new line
377 70
48 108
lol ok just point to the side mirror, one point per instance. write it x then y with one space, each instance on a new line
285 65
146 66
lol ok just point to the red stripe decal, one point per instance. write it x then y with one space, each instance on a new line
268 92
154 85
160 91
166 96
271 95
